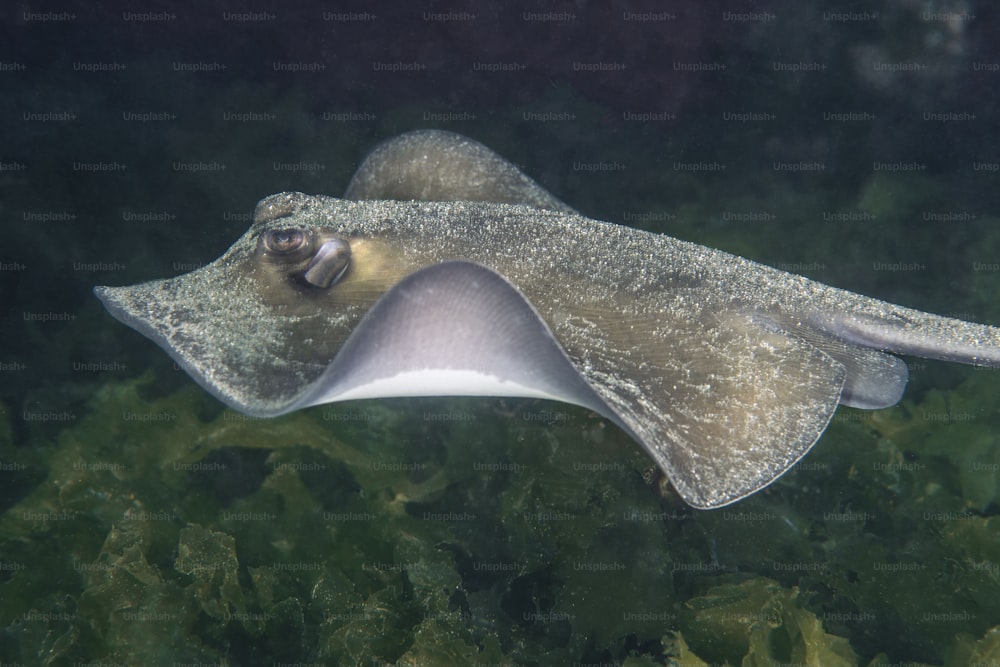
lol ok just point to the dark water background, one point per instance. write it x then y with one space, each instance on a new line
142 524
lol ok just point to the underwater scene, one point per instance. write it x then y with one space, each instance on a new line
142 522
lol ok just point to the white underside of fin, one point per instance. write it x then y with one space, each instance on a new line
435 382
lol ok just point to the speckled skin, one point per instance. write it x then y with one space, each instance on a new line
725 370
433 165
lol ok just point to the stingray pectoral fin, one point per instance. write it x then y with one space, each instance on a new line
724 405
452 329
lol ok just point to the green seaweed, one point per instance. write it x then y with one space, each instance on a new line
763 622
498 532
970 651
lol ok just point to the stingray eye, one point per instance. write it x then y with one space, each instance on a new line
284 241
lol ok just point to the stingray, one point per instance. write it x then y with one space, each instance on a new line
445 271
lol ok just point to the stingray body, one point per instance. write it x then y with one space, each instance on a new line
725 370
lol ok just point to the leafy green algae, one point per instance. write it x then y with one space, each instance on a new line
158 529
762 621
